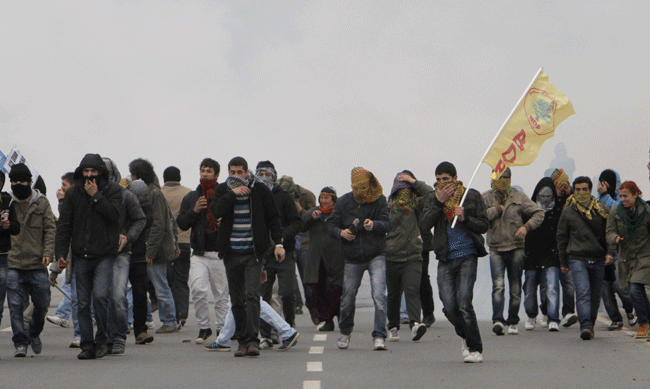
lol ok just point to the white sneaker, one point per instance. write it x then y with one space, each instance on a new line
344 341
465 349
380 345
474 357
393 335
418 331
76 343
530 324
59 321
513 330
544 321
553 326
150 325
569 319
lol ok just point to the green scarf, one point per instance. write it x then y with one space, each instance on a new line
632 218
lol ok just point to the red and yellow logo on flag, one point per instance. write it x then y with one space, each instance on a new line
533 122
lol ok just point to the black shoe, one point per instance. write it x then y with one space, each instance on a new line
288 343
585 334
616 325
253 350
204 334
241 351
314 319
327 327
86 354
429 320
298 310
101 350
275 338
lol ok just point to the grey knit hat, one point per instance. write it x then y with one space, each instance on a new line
139 188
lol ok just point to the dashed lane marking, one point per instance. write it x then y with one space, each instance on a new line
314 366
311 385
320 337
316 349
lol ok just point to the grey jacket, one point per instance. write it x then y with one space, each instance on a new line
162 242
633 258
132 219
322 247
37 233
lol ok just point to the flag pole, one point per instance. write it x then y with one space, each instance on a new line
462 201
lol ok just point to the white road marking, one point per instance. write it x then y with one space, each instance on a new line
311 385
316 349
314 366
320 337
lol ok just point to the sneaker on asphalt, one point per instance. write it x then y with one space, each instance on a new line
544 321
21 351
241 351
143 338
553 326
585 334
253 350
615 326
344 341
118 348
167 329
275 338
37 345
216 347
101 350
380 344
497 328
86 354
474 357
418 331
568 320
76 343
266 344
59 321
529 325
464 348
429 320
513 330
150 325
393 335
289 342
631 319
328 326
204 334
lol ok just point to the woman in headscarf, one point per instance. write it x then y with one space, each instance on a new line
628 226
404 253
542 263
325 262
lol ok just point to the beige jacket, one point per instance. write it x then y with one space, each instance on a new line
174 193
37 233
518 210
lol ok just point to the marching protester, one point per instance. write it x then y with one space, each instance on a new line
324 268
9 225
582 248
32 250
628 226
512 216
457 251
360 220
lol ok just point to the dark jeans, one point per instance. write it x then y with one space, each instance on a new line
178 272
285 271
244 272
403 277
512 261
640 301
568 294
38 284
610 289
138 277
426 291
456 280
94 278
118 326
550 277
3 282
588 280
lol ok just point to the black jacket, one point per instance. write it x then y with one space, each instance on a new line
367 244
291 220
139 246
14 224
266 224
476 222
187 218
541 243
90 226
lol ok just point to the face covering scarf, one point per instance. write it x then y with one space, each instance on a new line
454 200
545 199
501 187
365 186
586 204
207 187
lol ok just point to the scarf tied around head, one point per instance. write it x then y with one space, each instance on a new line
454 200
365 186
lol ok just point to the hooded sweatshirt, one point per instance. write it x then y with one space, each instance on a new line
610 198
5 209
90 225
541 243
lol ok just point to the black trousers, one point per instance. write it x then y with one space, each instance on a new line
178 272
244 272
285 272
138 278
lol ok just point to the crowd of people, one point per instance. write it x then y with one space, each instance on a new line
130 247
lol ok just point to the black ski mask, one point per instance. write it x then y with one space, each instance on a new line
22 192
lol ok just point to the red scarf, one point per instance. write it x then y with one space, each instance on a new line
208 187
326 210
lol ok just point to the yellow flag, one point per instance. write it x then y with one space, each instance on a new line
533 122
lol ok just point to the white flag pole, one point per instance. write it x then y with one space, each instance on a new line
462 201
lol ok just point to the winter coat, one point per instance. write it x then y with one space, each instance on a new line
307 201
518 211
633 258
322 247
139 246
291 220
175 193
577 241
132 219
367 244
162 242
606 198
188 219
36 238
476 222
403 241
541 243
90 226
14 225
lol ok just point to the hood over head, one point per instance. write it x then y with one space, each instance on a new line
113 171
613 179
94 161
544 182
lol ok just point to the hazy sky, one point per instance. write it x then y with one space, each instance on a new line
319 87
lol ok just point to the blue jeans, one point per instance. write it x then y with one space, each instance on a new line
157 273
640 301
456 280
118 325
512 261
64 310
38 285
550 276
352 275
588 280
3 282
93 278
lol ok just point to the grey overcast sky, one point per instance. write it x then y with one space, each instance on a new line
319 87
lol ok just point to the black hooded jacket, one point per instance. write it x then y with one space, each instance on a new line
14 224
541 243
90 226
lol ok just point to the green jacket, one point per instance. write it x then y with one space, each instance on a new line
162 242
37 233
633 258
